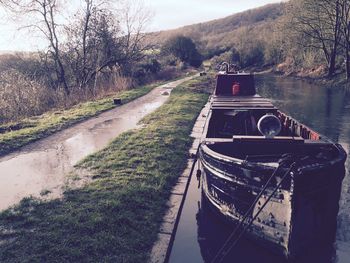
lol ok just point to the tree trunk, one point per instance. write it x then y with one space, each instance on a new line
348 63
331 65
63 78
334 51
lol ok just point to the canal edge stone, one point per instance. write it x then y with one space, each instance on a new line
166 233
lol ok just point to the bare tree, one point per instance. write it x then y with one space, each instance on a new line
43 15
134 19
93 42
98 37
99 41
9 3
319 22
48 9
345 29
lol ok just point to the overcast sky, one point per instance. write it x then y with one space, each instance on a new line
167 14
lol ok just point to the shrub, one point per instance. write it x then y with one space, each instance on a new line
184 49
20 96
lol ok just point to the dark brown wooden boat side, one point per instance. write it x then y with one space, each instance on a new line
235 167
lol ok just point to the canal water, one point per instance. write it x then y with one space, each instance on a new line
200 234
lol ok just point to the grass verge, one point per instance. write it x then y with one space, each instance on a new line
115 218
35 128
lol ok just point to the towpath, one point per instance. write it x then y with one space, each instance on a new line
42 167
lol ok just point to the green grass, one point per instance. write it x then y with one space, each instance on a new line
38 127
116 217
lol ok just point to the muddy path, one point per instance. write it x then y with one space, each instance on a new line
41 168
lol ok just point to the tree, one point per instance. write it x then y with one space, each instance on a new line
235 56
42 15
134 18
93 44
345 29
319 23
184 49
152 66
102 35
100 41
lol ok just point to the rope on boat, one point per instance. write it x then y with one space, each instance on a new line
231 242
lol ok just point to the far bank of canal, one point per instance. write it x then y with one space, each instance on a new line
327 110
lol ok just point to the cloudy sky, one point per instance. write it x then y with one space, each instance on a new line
167 14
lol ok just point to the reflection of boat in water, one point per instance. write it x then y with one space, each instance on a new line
275 177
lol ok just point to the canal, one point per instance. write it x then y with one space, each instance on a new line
200 234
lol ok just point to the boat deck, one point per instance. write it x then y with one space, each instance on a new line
241 102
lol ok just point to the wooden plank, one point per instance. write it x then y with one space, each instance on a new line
215 140
277 138
239 98
242 108
254 138
241 101
243 104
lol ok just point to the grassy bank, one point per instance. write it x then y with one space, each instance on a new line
115 218
16 135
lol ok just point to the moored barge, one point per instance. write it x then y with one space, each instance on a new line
276 179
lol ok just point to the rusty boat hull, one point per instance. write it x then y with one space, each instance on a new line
242 175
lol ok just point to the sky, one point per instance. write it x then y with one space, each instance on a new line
166 14
176 13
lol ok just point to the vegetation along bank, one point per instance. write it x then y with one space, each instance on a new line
16 134
304 38
115 218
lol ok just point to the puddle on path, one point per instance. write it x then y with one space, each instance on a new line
43 166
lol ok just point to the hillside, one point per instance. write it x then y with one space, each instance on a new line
226 32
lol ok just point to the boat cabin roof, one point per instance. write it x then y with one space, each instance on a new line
237 91
241 103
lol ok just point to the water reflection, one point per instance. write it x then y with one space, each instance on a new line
321 108
213 232
327 110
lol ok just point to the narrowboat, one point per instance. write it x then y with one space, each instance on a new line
274 178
